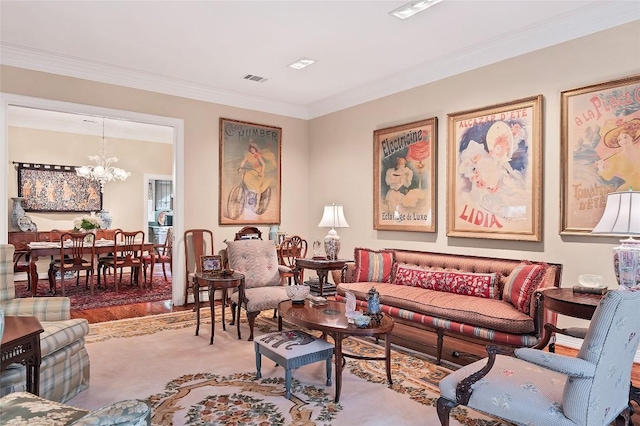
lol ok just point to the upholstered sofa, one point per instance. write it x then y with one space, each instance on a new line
64 370
481 300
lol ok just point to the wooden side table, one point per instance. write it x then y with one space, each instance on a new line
215 282
21 344
321 266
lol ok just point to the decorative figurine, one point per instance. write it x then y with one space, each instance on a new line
373 305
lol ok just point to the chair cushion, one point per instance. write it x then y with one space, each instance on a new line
262 298
257 260
514 390
58 334
293 344
373 266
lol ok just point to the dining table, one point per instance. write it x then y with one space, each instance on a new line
39 249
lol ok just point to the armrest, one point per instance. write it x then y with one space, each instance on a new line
571 366
463 390
131 412
43 308
284 269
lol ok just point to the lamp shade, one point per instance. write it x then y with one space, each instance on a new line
621 214
333 217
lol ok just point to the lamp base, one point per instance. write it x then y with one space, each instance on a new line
626 263
332 245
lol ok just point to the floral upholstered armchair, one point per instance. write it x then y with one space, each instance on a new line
257 260
542 388
64 370
23 408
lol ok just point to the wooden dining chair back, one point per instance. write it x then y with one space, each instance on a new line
162 255
197 242
290 249
128 253
77 253
111 235
248 232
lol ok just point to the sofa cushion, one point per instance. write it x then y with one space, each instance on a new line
492 314
415 276
521 283
58 334
373 266
458 282
473 284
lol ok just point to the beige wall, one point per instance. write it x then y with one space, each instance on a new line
329 159
137 157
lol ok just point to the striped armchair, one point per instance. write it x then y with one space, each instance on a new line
64 371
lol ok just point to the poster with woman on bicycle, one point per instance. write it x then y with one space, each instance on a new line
249 173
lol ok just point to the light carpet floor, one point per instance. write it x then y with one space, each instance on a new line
189 382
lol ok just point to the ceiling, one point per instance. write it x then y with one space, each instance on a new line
203 49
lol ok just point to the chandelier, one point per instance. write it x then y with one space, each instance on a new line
102 171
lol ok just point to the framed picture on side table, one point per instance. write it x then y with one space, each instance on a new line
494 187
600 150
211 264
404 177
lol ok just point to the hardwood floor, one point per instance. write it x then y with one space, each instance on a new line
154 308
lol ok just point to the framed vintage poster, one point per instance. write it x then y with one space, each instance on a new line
600 152
53 188
494 187
404 177
249 173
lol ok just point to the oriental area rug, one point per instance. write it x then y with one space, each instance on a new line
104 297
187 381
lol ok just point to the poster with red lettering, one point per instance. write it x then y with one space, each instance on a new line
494 187
404 177
600 150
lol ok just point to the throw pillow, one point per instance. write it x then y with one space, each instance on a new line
521 283
373 266
416 276
473 284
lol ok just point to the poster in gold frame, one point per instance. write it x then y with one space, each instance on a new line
494 187
600 152
249 173
404 177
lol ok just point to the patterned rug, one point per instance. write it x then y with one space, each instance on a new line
189 382
104 297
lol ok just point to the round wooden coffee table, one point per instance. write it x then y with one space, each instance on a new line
331 319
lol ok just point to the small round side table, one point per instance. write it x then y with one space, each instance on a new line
215 282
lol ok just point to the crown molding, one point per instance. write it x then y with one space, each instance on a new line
588 20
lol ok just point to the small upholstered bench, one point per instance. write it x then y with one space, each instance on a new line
292 349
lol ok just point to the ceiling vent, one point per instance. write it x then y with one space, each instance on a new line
257 78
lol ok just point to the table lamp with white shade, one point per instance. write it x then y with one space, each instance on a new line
332 217
622 217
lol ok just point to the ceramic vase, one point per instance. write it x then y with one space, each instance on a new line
273 232
17 212
106 218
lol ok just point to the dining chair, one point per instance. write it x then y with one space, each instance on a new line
128 251
111 235
248 232
162 255
77 253
197 242
290 249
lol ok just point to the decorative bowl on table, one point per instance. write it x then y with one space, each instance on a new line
297 293
589 280
361 320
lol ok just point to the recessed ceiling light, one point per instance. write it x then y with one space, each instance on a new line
302 63
407 10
